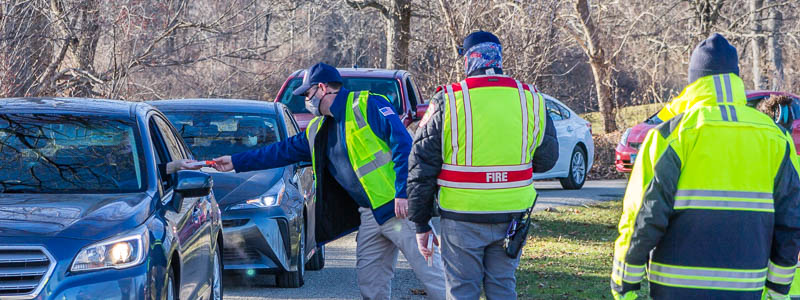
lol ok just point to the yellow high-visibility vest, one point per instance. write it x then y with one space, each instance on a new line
492 125
370 156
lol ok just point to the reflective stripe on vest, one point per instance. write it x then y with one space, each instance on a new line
370 157
724 200
779 274
629 273
707 278
487 177
380 158
488 142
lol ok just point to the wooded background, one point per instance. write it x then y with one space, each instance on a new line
593 55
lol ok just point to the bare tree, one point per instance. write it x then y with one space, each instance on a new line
397 16
757 42
775 49
591 44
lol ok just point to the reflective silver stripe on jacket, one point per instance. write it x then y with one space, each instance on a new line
628 273
535 100
726 200
483 169
484 186
779 274
708 284
523 102
453 124
467 122
381 159
357 111
707 277
727 96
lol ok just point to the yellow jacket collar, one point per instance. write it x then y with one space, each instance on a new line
721 89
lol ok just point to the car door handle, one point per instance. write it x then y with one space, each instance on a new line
569 128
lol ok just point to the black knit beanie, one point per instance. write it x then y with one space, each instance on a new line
713 56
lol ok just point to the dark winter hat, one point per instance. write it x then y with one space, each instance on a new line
476 38
319 73
713 56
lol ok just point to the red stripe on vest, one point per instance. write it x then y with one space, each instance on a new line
489 81
486 177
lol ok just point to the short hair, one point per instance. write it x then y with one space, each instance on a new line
335 85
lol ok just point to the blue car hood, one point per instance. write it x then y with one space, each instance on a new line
80 216
234 188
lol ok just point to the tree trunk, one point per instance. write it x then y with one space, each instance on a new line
601 68
398 34
775 52
756 43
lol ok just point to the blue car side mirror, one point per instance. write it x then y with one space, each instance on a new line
191 184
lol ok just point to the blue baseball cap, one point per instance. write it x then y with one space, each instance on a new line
319 73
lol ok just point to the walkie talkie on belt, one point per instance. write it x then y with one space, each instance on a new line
517 233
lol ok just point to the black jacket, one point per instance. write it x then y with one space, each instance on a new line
425 162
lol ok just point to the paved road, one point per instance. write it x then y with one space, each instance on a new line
338 279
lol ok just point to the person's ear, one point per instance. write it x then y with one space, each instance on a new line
322 87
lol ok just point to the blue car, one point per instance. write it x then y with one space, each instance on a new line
269 215
87 210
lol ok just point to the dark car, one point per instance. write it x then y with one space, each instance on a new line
632 139
87 210
267 216
397 85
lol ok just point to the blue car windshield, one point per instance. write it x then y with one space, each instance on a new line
210 134
388 87
69 153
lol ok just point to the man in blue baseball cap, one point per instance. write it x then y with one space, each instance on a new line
359 151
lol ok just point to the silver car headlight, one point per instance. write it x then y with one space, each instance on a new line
117 253
272 197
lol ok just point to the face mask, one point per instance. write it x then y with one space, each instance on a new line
312 105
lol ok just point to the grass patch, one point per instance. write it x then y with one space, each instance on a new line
626 116
569 253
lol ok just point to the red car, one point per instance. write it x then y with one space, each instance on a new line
397 85
632 138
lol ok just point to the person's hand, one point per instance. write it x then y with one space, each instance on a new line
422 244
401 208
630 295
181 164
223 163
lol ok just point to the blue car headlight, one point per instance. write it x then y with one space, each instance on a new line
118 252
272 197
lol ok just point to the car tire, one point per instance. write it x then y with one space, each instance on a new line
216 281
172 292
317 262
294 279
577 170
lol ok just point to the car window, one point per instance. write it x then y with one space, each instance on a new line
564 112
412 94
214 134
296 104
59 153
291 126
552 110
162 155
170 139
388 87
